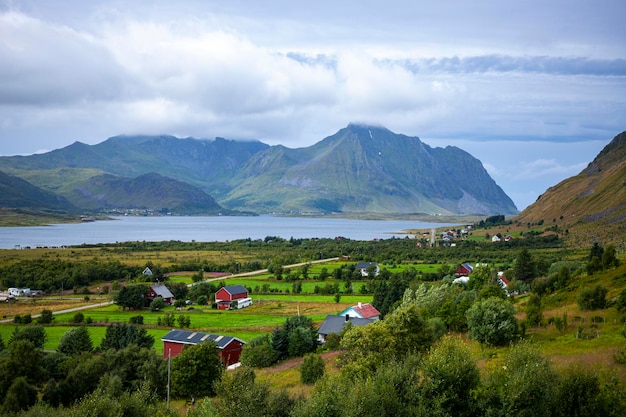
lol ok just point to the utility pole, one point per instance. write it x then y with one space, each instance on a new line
169 363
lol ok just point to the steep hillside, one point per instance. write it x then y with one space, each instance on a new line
591 205
368 169
150 191
16 193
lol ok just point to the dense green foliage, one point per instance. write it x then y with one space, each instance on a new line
312 368
492 322
121 335
195 370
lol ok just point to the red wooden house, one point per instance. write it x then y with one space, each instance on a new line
159 290
226 295
175 341
464 270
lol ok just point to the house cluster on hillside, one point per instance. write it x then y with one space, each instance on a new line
463 272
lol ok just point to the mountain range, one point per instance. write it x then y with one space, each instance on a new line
360 169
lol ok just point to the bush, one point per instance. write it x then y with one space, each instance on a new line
46 317
492 322
592 298
312 368
259 353
157 304
136 320
78 318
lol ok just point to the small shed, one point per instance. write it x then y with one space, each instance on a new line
175 342
226 295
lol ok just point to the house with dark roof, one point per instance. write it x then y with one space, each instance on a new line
361 311
336 324
159 290
225 296
362 266
176 341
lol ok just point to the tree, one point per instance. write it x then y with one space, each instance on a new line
450 369
523 386
524 268
157 304
20 396
259 353
492 322
592 298
132 296
609 258
366 348
195 370
118 336
33 333
411 333
312 368
75 341
45 317
22 358
301 341
534 312
178 289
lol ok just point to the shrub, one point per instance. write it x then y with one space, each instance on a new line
312 368
592 298
78 318
492 322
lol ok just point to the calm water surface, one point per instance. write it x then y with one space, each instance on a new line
204 229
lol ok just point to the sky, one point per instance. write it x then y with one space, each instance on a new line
533 89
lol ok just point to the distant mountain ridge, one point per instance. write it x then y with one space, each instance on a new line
16 193
148 192
359 169
368 169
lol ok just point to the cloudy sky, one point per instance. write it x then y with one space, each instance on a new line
534 89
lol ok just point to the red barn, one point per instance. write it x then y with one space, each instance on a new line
159 290
226 295
175 341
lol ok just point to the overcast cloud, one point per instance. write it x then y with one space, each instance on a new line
533 89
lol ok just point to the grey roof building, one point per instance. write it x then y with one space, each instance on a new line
335 324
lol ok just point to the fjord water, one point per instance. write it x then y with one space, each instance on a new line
203 229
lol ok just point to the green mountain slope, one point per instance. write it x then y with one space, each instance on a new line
18 193
368 169
149 191
591 205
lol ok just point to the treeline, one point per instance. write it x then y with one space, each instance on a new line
52 275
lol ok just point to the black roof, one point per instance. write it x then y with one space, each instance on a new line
193 338
235 289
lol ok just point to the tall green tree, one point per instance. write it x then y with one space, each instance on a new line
450 376
20 396
75 341
492 322
121 335
132 297
534 311
195 371
312 368
524 268
34 333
